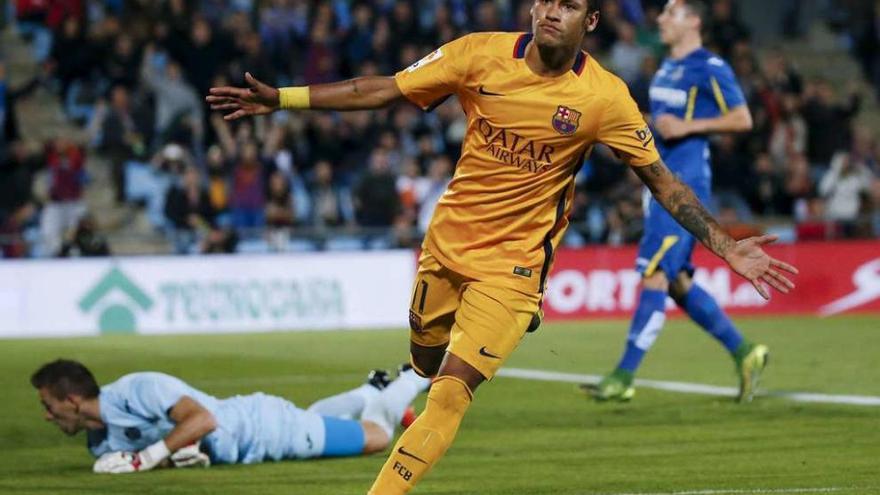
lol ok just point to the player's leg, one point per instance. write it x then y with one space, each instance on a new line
303 434
660 251
645 327
350 404
387 408
435 298
704 310
488 326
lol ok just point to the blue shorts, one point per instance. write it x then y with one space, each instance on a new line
666 245
342 437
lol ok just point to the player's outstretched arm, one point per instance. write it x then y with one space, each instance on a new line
362 93
745 257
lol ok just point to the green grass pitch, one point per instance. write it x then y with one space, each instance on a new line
520 437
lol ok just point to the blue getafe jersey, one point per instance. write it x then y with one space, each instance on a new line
251 428
701 85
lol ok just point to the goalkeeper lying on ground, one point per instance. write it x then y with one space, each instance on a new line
145 420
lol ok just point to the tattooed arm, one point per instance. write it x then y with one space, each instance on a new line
745 257
679 199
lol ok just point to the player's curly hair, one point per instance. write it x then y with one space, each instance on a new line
64 377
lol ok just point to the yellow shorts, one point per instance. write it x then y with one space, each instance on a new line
482 323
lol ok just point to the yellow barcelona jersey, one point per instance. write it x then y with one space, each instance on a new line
506 209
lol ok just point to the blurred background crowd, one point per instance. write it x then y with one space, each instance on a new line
138 164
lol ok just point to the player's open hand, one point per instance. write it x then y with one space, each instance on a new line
750 261
257 99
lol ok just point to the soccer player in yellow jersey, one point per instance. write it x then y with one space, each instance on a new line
536 104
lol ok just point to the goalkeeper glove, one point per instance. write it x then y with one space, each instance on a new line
131 462
190 456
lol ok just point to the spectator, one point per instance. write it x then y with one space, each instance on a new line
828 122
17 169
120 135
321 64
248 189
31 23
844 187
120 66
280 215
648 33
71 62
432 188
799 187
725 28
780 75
178 107
626 55
864 148
408 184
640 87
85 241
219 188
18 209
789 136
188 210
357 41
331 203
66 163
766 192
375 197
254 60
8 98
625 219
730 175
201 55
12 225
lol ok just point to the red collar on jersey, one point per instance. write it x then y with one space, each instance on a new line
519 51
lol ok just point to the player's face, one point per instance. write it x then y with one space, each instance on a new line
62 412
675 21
561 22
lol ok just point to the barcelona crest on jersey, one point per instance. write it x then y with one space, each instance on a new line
566 120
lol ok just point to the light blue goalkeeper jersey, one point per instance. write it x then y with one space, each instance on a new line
250 428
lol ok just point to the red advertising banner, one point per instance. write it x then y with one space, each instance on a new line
835 278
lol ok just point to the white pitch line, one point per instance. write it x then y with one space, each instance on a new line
753 491
691 388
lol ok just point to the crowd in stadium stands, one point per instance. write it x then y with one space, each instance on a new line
134 73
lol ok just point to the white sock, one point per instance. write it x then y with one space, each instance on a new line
347 405
387 408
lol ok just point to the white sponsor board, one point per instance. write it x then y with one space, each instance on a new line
209 294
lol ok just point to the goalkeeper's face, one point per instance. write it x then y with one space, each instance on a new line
63 412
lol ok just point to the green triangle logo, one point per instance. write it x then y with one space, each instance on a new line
116 317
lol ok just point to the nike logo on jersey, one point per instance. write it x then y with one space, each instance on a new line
483 92
403 452
484 352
